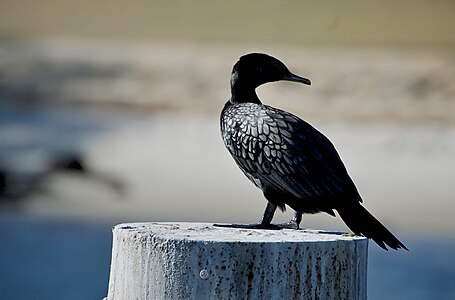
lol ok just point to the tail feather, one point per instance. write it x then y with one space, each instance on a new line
361 222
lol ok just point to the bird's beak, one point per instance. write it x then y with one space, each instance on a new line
295 78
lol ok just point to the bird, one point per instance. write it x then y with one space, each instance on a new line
292 163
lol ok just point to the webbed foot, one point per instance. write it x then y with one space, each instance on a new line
250 226
289 225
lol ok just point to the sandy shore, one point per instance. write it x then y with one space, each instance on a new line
348 84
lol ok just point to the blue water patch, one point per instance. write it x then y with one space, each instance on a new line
54 259
427 271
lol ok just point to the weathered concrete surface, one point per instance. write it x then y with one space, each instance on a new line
200 261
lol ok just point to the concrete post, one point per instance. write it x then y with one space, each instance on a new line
200 261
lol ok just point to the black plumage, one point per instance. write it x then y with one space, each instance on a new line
288 159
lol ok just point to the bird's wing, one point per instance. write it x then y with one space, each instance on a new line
281 151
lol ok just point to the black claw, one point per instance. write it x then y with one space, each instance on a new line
250 226
289 225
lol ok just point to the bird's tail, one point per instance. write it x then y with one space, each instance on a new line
361 222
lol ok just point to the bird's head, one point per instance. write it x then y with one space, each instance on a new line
255 69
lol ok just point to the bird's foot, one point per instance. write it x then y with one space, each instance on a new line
349 234
250 226
289 225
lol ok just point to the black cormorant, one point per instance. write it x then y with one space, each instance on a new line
288 159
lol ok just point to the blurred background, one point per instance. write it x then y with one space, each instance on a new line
109 113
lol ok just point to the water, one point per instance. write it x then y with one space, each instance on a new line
42 259
425 272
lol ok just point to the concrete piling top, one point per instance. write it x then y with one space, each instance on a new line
201 261
206 232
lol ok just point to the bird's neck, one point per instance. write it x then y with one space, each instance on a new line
244 94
